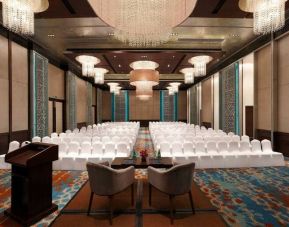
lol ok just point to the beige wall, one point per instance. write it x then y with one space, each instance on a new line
4 86
106 106
93 96
81 99
19 88
55 82
207 111
263 88
144 110
283 85
182 107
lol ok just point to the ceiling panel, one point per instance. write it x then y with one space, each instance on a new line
167 61
67 9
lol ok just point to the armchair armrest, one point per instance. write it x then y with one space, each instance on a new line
158 178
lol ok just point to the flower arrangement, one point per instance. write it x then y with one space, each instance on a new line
143 155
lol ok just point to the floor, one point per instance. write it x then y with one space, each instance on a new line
223 197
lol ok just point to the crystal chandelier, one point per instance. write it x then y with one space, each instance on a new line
87 63
175 87
18 15
189 74
117 90
99 75
144 77
114 88
269 15
171 90
200 64
143 22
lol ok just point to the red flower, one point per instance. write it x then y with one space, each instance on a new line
143 153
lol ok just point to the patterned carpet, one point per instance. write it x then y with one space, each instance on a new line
65 185
144 142
244 197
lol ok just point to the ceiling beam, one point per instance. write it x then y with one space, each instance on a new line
152 50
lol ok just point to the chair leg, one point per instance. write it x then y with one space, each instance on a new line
172 209
110 209
150 194
132 194
90 202
192 202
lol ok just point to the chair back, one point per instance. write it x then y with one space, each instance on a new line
97 148
245 146
266 146
256 146
36 139
103 179
177 180
211 146
14 145
188 147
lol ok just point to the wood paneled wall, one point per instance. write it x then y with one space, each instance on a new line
263 88
56 82
207 110
14 90
81 101
182 106
106 106
144 110
283 85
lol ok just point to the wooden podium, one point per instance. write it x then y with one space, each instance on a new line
31 183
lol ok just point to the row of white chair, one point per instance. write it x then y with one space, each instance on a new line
86 149
56 140
213 147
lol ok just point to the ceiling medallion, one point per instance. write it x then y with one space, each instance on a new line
143 23
144 77
269 15
88 63
18 15
189 74
200 64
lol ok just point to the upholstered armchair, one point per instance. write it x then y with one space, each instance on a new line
175 181
105 181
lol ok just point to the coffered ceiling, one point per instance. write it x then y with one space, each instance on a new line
216 28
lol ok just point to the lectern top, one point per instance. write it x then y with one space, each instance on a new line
33 154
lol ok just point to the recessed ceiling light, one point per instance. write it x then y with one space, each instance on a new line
174 56
51 35
169 65
114 56
119 65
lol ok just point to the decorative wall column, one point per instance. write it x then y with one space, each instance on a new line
71 100
120 106
229 99
39 95
168 106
